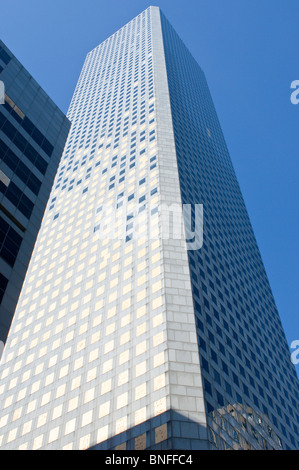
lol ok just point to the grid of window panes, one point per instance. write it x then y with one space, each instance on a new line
32 136
86 354
244 354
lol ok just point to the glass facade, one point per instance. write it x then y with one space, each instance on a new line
244 354
123 338
32 135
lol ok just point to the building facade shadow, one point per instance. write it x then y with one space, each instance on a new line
168 431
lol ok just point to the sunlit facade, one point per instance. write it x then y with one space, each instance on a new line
110 347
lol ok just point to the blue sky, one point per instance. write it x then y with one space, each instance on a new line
249 52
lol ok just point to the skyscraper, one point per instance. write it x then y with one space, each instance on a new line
127 335
33 132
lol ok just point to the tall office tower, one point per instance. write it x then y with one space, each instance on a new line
33 132
127 335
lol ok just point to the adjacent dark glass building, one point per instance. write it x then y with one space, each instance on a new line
32 136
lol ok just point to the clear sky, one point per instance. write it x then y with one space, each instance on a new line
249 52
